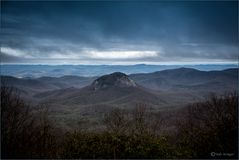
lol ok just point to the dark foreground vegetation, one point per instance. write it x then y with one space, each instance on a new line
205 130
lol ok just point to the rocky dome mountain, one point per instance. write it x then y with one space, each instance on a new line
159 89
116 79
115 89
71 97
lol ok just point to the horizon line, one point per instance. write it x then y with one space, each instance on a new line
149 64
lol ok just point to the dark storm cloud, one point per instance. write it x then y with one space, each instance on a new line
77 29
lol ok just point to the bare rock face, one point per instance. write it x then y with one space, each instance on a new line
116 79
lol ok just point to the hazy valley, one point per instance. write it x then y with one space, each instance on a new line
74 99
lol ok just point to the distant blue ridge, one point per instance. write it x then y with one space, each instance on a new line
19 70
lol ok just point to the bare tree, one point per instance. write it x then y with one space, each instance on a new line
23 134
117 121
213 124
16 123
144 121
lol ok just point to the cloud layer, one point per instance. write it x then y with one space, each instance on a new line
109 32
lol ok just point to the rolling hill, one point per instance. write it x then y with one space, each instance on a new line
72 99
187 79
182 81
113 89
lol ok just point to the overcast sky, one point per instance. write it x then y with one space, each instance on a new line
121 32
